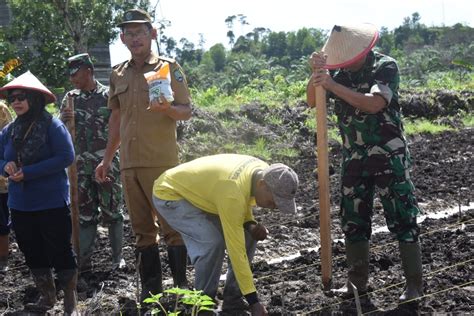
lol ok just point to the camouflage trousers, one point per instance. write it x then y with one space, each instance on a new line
99 202
399 203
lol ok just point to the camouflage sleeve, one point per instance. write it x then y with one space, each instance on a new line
386 81
179 85
62 106
383 91
63 103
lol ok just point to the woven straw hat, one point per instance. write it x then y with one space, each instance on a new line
27 81
348 44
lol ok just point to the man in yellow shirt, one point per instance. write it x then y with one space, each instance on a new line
209 201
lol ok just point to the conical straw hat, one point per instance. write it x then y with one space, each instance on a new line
30 82
348 44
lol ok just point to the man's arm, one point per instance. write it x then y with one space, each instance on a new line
368 102
178 112
113 144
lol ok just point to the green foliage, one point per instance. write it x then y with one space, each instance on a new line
424 126
45 33
441 80
218 56
183 297
333 131
468 120
259 149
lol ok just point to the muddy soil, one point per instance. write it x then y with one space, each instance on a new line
287 265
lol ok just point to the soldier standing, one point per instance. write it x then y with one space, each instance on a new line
145 131
98 202
375 155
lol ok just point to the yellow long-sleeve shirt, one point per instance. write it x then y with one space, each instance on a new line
220 185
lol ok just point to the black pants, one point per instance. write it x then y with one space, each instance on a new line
44 237
4 215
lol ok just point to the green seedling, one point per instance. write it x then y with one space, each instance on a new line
183 298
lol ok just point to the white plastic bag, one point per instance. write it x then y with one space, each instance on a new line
159 82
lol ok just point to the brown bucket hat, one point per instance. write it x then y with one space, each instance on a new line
348 44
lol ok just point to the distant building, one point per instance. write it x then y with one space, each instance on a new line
4 13
100 53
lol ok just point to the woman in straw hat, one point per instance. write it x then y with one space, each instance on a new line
35 149
364 86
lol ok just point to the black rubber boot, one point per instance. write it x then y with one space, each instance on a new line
410 254
149 268
178 259
3 253
68 281
45 284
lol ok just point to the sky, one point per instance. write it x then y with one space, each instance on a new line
189 18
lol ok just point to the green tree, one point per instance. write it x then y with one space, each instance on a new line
45 32
218 56
275 44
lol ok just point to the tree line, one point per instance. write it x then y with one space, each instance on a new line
61 28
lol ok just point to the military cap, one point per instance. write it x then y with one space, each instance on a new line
75 62
135 16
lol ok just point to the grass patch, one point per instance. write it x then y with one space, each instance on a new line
258 149
424 126
468 120
333 132
268 93
441 80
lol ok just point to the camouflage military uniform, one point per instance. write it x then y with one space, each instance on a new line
375 155
91 121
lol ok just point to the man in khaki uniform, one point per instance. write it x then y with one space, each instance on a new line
145 130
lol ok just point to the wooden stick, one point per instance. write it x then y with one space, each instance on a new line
72 174
323 181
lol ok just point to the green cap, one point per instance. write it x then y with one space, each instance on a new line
135 16
75 62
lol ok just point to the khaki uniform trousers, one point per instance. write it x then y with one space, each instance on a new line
138 191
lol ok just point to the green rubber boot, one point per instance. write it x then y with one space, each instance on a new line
410 254
357 256
116 243
87 236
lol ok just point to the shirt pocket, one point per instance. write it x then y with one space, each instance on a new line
122 96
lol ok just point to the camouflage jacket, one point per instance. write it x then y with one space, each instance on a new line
372 143
91 117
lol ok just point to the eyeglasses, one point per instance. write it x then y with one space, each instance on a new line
139 34
20 97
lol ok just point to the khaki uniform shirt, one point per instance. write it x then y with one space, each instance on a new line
148 139
5 118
